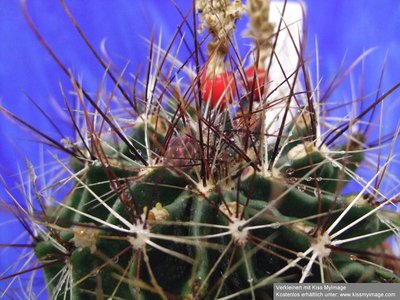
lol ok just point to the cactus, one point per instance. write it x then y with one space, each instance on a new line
198 196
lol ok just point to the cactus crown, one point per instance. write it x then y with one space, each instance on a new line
176 196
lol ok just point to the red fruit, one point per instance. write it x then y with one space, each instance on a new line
256 83
218 89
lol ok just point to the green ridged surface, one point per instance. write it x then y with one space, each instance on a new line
274 203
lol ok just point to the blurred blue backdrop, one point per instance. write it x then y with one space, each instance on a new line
341 26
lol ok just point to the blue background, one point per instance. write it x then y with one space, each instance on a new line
341 26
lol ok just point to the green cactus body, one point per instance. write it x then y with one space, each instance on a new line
195 233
